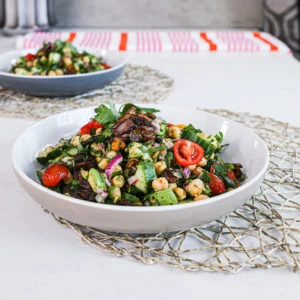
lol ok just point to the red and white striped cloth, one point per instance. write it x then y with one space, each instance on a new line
158 41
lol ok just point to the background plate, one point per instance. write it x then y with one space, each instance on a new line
58 86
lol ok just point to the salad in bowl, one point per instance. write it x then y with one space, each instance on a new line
56 59
131 157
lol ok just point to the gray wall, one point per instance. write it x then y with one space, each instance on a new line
159 13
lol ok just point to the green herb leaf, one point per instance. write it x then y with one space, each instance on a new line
104 115
205 177
169 157
113 109
152 150
124 108
221 171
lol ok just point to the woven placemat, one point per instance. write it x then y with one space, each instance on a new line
136 84
263 233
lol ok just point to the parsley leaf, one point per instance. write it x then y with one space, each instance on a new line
124 108
106 115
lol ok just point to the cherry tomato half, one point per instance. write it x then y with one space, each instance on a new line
93 124
216 184
30 57
54 174
187 153
106 66
229 173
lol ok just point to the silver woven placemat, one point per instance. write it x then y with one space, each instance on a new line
136 84
263 233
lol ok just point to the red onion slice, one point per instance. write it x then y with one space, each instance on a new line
132 180
186 172
112 164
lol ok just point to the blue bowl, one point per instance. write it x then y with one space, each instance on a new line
63 85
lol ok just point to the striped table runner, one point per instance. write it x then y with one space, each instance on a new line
159 41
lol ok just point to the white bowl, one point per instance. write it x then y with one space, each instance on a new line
245 147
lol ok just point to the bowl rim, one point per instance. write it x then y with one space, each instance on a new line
149 209
38 77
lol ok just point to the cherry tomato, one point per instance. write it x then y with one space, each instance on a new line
170 125
187 153
93 124
212 167
216 184
54 174
232 176
106 66
30 57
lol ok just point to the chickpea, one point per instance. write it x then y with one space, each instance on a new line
43 59
48 149
86 59
117 144
75 141
45 152
29 64
160 166
102 164
59 72
67 51
111 154
172 186
35 62
117 168
69 178
98 159
67 61
180 193
51 73
98 131
160 184
174 132
200 197
96 149
85 137
195 187
203 162
197 171
192 167
118 181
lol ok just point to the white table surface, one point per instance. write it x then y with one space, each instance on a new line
40 259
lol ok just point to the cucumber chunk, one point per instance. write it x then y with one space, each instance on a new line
164 197
50 156
96 180
145 174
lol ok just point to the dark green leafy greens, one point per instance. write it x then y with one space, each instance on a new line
124 108
106 115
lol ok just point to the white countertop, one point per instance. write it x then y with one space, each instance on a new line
40 259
